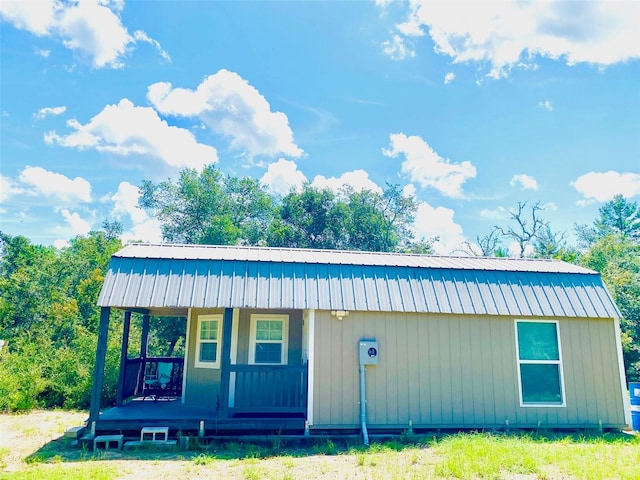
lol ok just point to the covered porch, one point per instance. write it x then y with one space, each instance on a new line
251 398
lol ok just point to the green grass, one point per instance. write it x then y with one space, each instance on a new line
456 456
63 472
491 456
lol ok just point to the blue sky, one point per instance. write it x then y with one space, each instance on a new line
469 106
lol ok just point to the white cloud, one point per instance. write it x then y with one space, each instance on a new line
46 111
56 186
61 243
526 182
397 48
282 176
546 104
78 225
141 36
43 53
92 28
8 189
438 222
126 203
35 17
230 106
358 179
449 77
509 34
428 169
144 229
125 129
148 231
514 249
603 186
498 213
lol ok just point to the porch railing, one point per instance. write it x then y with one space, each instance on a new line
137 369
260 389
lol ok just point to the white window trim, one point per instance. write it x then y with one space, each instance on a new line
284 360
198 362
540 362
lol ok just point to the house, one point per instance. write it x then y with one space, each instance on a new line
294 340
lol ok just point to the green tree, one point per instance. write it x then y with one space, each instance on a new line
618 216
550 244
617 258
49 317
312 218
363 220
209 208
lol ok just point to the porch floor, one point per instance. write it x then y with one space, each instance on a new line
131 417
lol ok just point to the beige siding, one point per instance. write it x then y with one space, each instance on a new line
457 371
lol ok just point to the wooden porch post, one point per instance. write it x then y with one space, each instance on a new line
123 357
98 369
225 362
144 342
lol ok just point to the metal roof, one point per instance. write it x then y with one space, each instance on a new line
143 276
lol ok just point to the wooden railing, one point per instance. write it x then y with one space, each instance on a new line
136 370
263 389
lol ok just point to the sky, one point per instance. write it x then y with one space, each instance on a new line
470 106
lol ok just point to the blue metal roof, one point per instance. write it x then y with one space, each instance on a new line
145 276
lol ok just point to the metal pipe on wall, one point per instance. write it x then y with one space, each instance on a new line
363 404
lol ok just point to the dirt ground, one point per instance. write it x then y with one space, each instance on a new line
41 434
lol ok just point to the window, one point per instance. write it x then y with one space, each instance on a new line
268 342
539 363
208 341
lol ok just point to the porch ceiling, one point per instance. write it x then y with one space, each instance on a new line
169 277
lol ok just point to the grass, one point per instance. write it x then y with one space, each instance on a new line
534 456
476 455
63 472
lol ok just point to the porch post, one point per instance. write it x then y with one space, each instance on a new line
98 369
225 361
144 341
123 357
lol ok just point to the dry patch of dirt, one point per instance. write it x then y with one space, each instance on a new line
22 435
39 435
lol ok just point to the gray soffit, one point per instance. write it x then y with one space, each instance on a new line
145 276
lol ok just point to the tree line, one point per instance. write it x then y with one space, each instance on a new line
48 312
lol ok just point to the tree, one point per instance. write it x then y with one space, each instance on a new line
550 244
209 208
48 313
617 216
311 218
363 220
617 258
526 230
486 246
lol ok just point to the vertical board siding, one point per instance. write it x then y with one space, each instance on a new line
202 385
457 371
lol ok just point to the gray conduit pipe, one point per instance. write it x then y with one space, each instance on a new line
363 405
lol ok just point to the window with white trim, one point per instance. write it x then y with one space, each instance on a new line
208 341
539 363
268 339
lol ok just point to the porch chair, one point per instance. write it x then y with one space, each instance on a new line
155 384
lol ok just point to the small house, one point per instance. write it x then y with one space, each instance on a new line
295 340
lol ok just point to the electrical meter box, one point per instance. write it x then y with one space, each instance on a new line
368 352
